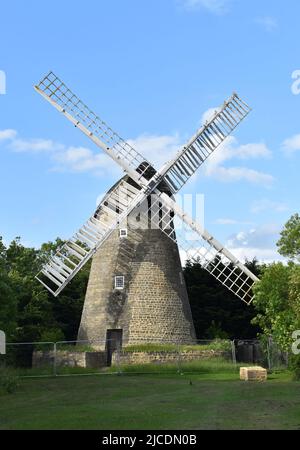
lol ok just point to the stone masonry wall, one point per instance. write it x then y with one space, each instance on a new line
164 357
69 359
154 305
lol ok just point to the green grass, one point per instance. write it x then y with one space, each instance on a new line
209 365
217 344
211 400
206 365
80 348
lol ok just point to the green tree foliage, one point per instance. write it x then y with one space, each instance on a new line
8 299
67 307
274 303
216 311
277 294
289 243
294 291
28 312
33 304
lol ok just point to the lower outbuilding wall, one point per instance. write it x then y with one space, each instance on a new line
164 357
64 358
99 359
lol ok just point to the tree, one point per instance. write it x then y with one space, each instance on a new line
274 303
34 310
31 313
216 311
8 300
67 307
294 292
28 312
277 294
289 243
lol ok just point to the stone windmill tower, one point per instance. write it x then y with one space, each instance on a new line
136 289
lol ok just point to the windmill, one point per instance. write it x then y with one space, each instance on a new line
136 230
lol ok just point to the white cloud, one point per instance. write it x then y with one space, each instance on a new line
262 237
249 151
208 115
264 255
213 6
160 149
268 23
7 135
226 221
157 149
214 166
64 158
35 145
291 145
230 149
259 242
74 154
81 159
233 174
268 205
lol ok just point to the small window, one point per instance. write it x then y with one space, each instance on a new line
119 282
123 233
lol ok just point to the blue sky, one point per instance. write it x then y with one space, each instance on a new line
151 69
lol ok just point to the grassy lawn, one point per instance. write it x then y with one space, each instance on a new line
207 401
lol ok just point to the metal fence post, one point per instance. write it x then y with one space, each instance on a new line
54 359
117 359
286 359
233 352
268 353
179 366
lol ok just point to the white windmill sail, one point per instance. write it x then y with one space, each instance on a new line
204 142
180 169
200 246
74 254
66 102
211 254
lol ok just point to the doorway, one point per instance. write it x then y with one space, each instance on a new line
113 342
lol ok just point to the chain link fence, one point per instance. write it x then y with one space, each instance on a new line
68 358
265 353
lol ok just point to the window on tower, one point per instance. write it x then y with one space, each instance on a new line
123 233
119 282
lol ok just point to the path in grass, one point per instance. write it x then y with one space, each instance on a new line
152 402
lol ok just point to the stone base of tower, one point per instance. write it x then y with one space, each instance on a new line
153 307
